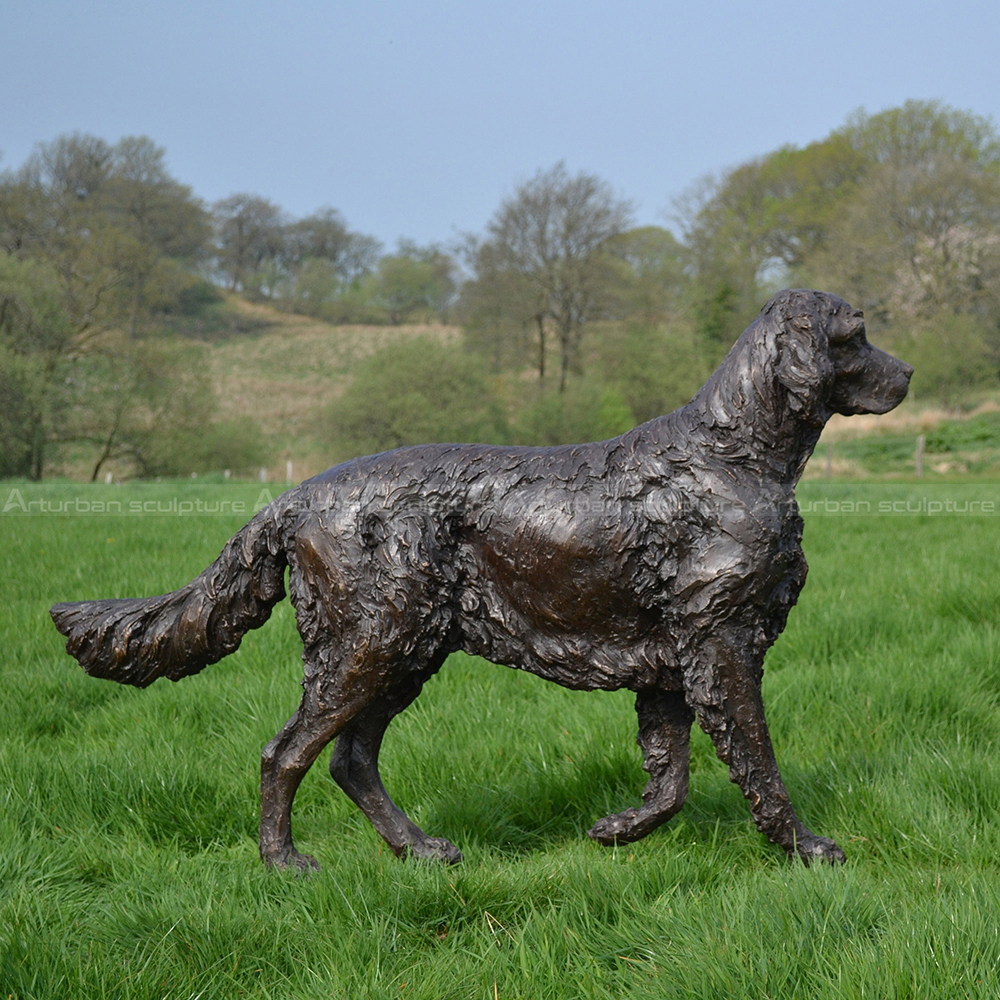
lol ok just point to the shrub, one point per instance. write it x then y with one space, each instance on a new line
416 392
586 411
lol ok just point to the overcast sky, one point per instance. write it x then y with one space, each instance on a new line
415 119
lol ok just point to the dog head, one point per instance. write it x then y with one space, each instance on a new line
825 362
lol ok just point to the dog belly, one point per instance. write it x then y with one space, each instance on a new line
575 661
571 629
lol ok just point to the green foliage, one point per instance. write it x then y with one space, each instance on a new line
324 236
918 240
33 316
952 354
653 278
980 431
548 258
318 288
100 239
898 212
586 410
655 368
101 245
919 129
24 410
118 229
760 225
207 447
128 856
415 278
403 284
195 298
414 392
313 265
967 445
161 413
35 333
503 316
250 241
717 318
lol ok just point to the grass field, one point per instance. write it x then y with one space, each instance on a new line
128 858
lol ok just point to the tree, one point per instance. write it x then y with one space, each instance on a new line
121 233
655 368
251 245
150 407
24 403
326 266
415 278
99 242
899 212
324 236
147 402
953 356
23 217
168 227
653 277
35 334
758 225
921 234
918 129
503 311
550 242
588 410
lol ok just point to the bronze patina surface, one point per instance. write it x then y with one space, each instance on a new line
664 561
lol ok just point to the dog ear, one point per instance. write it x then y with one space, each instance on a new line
804 366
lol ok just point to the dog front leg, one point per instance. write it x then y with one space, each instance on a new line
723 687
665 738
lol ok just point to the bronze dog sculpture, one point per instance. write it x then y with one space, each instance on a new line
664 561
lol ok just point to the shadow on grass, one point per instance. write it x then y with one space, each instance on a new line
552 809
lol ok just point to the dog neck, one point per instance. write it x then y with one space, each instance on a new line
744 416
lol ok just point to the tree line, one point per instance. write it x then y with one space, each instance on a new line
898 212
106 254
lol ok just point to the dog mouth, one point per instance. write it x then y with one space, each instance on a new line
878 387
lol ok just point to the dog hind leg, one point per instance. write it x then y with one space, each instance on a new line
354 766
330 701
665 738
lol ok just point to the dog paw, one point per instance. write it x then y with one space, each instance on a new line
620 828
291 859
812 848
435 849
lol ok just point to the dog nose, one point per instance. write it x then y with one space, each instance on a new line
907 369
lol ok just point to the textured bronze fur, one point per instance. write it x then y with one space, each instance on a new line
664 561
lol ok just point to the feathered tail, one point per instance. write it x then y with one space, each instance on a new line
136 640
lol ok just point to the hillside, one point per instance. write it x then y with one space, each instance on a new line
287 369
